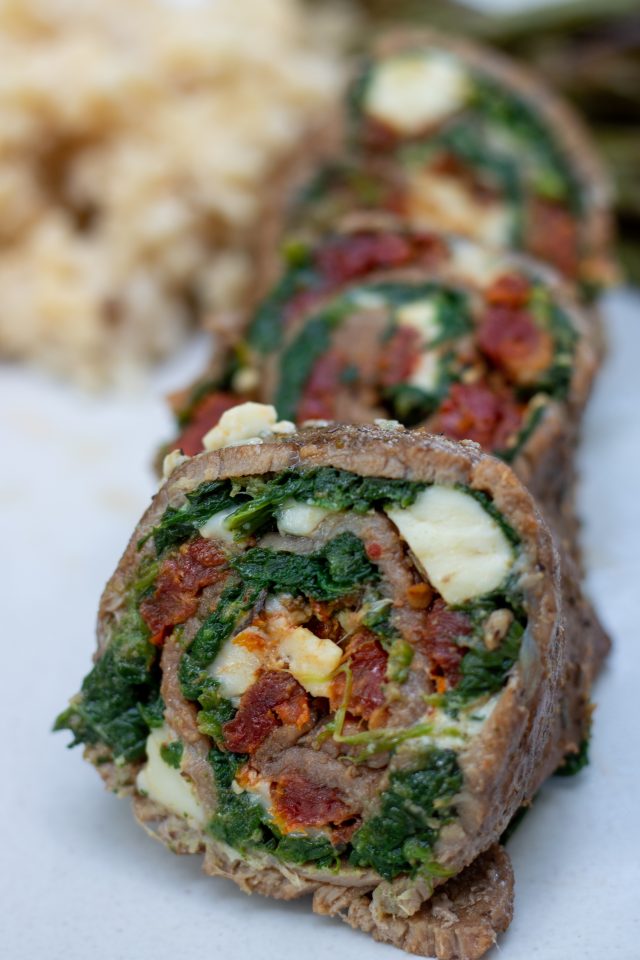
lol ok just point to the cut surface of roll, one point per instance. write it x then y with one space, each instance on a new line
444 133
337 661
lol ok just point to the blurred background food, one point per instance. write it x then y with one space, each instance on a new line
589 50
137 142
140 139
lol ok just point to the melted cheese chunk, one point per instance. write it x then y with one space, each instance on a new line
461 547
236 668
448 202
412 92
215 529
426 375
165 784
299 519
422 316
476 263
246 423
172 461
311 659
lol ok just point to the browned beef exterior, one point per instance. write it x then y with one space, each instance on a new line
460 922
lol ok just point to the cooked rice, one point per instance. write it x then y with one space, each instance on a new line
136 140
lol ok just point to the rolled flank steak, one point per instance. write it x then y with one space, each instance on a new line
337 661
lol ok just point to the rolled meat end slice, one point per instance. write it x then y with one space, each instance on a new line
339 661
447 134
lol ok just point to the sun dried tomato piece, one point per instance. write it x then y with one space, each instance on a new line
276 697
509 290
368 665
319 395
305 803
183 574
476 412
356 254
513 343
552 235
323 621
203 419
442 628
399 356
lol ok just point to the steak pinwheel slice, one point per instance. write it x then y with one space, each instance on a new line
447 134
338 661
430 330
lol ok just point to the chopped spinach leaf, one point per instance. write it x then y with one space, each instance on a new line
266 329
322 487
485 671
171 753
153 713
302 849
300 357
235 602
217 711
400 837
119 694
179 524
335 570
238 817
575 762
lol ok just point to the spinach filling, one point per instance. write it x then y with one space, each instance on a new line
119 701
258 500
412 810
178 525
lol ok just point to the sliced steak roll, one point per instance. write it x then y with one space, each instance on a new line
454 136
431 330
338 661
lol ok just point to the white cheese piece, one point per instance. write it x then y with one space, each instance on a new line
299 519
246 423
422 316
246 379
475 263
412 92
449 203
165 784
427 373
236 668
215 529
461 547
172 461
311 659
